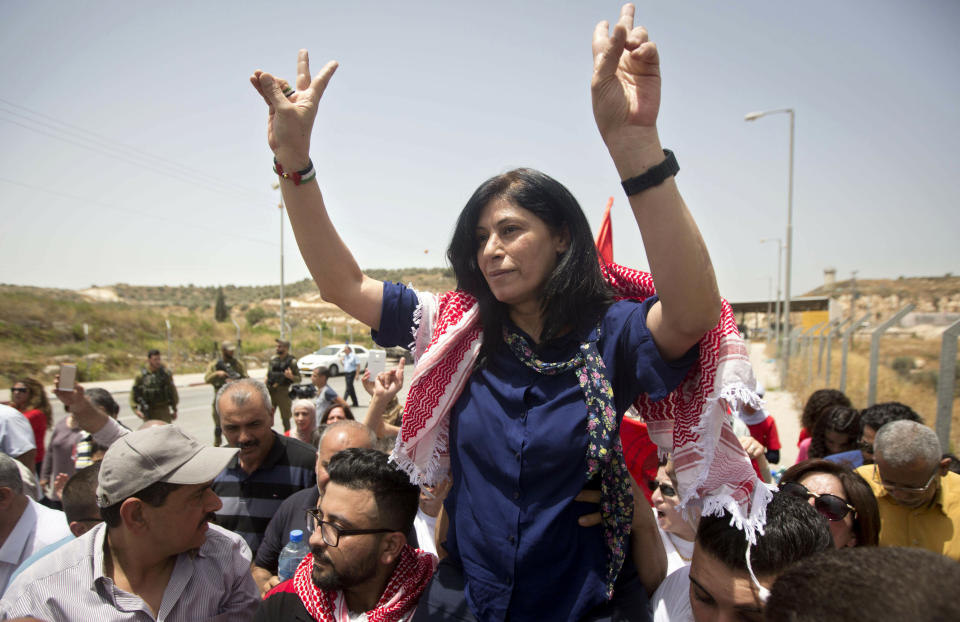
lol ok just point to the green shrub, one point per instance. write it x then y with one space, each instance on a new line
254 315
903 365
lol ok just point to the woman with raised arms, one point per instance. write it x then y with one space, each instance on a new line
524 372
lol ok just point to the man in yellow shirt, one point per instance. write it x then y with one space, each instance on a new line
919 498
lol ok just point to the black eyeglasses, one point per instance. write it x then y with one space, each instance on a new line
19 390
331 533
665 489
831 506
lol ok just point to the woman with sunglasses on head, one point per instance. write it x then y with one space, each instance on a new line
676 532
27 396
841 496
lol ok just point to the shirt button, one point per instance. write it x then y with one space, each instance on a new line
523 416
517 455
516 494
511 539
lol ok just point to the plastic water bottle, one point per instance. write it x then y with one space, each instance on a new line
291 555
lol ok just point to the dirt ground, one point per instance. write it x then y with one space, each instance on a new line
779 404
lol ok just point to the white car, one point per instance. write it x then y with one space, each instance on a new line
332 357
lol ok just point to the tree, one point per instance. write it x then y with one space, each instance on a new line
254 315
220 311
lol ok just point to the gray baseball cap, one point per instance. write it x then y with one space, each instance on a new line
160 454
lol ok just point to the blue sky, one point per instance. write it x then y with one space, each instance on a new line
134 149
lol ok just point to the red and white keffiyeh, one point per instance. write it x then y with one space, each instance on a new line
691 423
408 581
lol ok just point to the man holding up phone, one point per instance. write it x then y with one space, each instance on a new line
154 396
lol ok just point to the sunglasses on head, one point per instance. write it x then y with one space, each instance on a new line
665 489
831 506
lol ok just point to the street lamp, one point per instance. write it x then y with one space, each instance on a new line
283 307
753 116
776 329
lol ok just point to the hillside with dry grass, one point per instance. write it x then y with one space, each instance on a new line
41 328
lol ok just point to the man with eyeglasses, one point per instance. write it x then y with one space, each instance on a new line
919 499
360 565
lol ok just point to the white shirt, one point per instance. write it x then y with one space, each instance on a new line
424 525
16 435
678 550
212 583
38 526
671 601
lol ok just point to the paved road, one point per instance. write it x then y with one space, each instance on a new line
780 404
196 400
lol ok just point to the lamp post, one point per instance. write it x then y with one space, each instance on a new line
283 307
753 116
776 329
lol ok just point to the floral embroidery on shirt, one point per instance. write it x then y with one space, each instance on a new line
604 451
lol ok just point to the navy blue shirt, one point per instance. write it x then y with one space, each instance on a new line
518 457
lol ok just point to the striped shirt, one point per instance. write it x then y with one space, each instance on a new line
251 499
209 583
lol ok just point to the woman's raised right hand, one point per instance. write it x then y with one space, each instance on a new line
290 121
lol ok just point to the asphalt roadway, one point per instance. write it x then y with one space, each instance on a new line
196 402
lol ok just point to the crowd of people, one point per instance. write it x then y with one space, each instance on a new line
574 444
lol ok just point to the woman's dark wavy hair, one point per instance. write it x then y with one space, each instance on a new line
818 403
839 419
866 524
575 292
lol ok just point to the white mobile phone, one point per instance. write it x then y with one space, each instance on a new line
376 362
68 375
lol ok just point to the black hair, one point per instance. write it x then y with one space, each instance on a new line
369 469
153 495
839 419
79 495
152 351
878 415
793 531
575 292
866 524
102 399
818 403
867 584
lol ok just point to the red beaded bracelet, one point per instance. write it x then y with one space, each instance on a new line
299 177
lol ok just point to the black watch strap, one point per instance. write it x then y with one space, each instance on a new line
653 176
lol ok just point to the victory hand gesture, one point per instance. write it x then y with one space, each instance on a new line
291 118
626 77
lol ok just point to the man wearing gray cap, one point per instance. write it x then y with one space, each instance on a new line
155 555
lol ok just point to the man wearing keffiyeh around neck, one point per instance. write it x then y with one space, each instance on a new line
360 566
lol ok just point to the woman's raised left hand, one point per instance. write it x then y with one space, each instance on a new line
626 77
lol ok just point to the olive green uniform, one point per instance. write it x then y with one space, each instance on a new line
235 370
154 394
279 385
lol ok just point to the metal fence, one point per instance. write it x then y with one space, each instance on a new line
802 346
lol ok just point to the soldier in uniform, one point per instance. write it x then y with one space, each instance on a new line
154 395
281 373
223 371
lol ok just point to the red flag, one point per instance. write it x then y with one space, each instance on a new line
639 453
605 236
